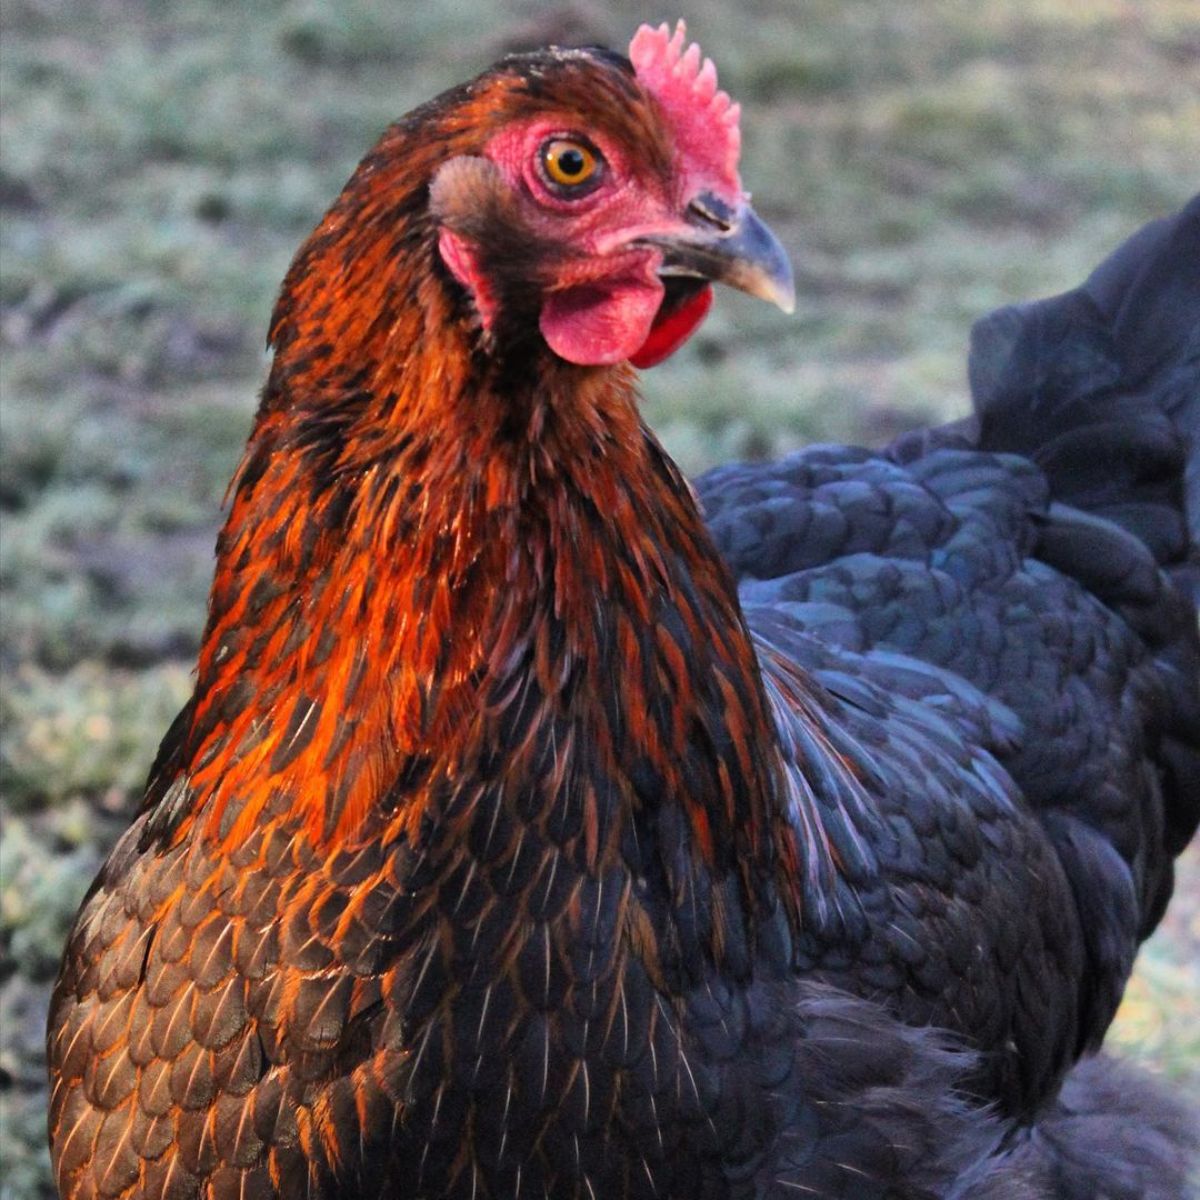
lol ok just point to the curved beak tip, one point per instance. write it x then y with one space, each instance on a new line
758 263
784 296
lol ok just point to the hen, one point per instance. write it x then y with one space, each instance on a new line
525 836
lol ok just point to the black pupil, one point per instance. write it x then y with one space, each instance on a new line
571 162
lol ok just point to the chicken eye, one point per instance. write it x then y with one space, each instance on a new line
569 164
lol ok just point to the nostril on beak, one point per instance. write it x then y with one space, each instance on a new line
707 209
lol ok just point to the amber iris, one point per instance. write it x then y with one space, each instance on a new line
569 163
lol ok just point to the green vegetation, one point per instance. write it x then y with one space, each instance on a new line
161 160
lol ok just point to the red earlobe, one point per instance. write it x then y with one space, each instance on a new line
460 259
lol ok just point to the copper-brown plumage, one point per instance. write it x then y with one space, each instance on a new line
429 563
495 854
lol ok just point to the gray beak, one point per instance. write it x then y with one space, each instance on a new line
730 246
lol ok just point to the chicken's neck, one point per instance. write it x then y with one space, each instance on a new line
504 600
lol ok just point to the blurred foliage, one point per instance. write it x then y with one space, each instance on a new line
160 160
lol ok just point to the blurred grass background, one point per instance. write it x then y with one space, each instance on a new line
160 161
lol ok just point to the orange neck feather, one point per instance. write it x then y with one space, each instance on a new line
399 612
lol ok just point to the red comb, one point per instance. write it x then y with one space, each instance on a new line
705 120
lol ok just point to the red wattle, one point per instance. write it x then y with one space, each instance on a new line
671 330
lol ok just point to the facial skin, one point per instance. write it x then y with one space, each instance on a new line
598 227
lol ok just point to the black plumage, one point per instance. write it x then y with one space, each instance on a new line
1014 594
